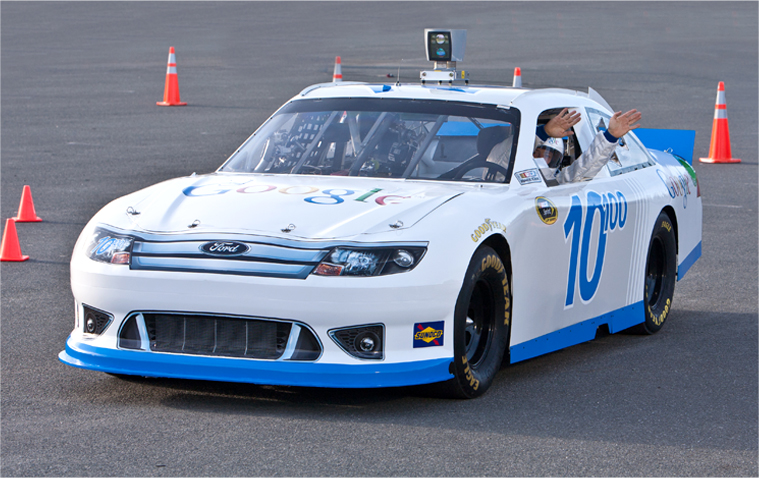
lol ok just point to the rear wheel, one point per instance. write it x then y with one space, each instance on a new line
481 325
661 274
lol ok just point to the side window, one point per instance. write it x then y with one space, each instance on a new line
629 154
556 152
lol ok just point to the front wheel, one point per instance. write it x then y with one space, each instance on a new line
661 274
481 325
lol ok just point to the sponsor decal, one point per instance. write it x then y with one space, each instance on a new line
473 382
611 210
528 176
546 210
677 185
326 197
107 245
224 248
428 334
486 227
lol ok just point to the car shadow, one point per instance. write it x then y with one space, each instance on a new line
585 392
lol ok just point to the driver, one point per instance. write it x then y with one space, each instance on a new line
598 154
550 150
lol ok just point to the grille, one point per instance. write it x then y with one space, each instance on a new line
287 260
210 335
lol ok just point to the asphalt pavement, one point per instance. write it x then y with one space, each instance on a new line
79 83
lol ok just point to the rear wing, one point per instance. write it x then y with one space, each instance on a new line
677 141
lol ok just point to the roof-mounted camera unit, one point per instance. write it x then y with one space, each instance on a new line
445 47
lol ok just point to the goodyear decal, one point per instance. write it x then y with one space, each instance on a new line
428 334
546 210
486 227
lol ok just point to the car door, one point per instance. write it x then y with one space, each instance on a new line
589 243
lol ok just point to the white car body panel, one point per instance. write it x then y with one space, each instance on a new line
451 218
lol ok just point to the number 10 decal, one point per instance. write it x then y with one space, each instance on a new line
612 213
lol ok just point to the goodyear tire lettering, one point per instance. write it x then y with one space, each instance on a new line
483 302
661 273
473 382
492 261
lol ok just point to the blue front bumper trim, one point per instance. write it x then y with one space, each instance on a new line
305 374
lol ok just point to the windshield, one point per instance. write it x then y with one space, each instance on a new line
383 138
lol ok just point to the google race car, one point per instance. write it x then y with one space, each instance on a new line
367 236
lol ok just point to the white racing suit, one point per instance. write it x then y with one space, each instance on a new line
590 162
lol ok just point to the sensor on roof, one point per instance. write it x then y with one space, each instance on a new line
445 47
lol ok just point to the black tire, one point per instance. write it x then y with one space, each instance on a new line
481 326
661 275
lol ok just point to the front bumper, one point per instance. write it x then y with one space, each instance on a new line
400 303
358 375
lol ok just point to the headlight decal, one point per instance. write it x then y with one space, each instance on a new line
109 247
369 261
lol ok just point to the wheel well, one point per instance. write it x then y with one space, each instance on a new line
499 244
673 217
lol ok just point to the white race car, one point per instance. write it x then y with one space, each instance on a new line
377 235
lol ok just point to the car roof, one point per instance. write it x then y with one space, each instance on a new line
524 99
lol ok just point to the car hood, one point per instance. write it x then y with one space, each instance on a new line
308 207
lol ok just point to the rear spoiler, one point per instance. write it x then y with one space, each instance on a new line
676 141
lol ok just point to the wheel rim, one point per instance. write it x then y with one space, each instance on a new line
478 330
656 271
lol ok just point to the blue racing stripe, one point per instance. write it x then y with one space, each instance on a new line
585 331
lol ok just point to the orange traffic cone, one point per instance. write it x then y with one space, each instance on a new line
10 250
171 91
719 150
26 211
517 78
338 75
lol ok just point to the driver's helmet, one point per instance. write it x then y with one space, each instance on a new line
551 150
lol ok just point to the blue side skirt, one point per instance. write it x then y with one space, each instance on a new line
151 364
585 331
689 260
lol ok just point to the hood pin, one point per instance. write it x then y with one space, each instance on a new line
195 223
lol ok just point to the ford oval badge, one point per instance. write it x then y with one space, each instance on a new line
224 248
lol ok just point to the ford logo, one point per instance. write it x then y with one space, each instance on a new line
224 248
